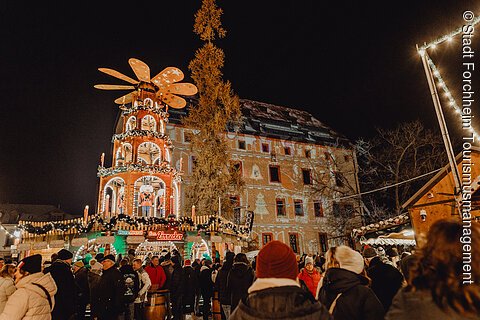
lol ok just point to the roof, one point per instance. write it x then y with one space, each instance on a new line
12 213
389 223
434 180
268 120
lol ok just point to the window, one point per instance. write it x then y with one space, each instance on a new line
235 202
339 179
265 147
308 153
274 173
193 162
298 204
280 207
323 240
266 238
187 137
307 176
288 151
318 209
242 145
293 237
236 166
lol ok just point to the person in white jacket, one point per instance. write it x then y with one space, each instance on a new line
145 284
7 285
34 297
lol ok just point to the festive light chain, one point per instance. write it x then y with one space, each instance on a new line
447 37
449 96
164 168
134 108
391 222
108 225
143 133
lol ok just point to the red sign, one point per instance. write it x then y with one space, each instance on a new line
165 236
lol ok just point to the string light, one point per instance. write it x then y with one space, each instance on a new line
8 232
441 83
447 37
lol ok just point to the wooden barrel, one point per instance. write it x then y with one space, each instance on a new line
155 307
216 312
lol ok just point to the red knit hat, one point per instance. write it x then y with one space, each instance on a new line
187 263
276 260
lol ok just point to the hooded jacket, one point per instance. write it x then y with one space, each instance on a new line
157 276
356 302
7 288
30 301
274 298
240 278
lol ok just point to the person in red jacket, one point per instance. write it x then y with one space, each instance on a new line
310 276
156 274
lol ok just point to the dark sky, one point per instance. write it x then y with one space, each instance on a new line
352 64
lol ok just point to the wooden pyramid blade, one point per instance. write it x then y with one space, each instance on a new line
186 89
124 99
117 75
167 76
142 71
113 87
174 101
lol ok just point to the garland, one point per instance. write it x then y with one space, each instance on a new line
139 106
164 168
143 133
109 224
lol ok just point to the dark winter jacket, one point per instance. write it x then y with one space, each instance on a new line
132 283
419 305
285 302
111 290
177 282
386 281
83 289
65 298
190 285
93 283
224 294
205 281
168 270
240 278
357 301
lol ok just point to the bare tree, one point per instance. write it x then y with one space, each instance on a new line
395 159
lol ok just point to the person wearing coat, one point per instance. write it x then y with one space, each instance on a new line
240 278
345 291
190 286
224 295
436 287
34 298
177 286
156 274
80 274
276 294
66 288
111 291
206 287
310 276
386 279
7 285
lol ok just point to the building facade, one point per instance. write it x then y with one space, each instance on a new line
299 176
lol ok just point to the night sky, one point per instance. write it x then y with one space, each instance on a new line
353 65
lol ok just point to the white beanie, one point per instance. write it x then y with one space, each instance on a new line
308 260
349 259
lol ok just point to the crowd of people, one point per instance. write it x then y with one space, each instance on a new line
344 284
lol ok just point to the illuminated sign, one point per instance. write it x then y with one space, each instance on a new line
130 232
165 236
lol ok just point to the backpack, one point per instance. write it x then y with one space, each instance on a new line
132 286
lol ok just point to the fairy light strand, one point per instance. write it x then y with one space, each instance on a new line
448 36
